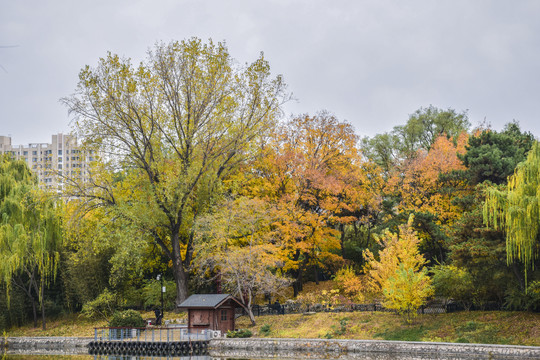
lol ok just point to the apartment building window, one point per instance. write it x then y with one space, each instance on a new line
25 153
34 152
34 160
59 152
59 159
59 166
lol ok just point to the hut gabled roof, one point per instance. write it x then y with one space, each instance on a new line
201 301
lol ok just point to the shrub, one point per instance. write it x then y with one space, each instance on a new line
349 284
517 299
103 306
127 318
242 333
265 330
407 291
455 283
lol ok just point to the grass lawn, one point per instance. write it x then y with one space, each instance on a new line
76 325
487 327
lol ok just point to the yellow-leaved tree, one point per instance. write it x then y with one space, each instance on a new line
399 274
168 132
236 249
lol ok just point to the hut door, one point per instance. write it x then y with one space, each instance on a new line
226 320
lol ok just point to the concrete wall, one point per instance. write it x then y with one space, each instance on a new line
368 349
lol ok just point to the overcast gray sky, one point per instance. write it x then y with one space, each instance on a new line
371 63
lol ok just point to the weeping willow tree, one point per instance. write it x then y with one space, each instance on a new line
30 234
516 211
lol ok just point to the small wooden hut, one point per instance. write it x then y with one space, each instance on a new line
210 312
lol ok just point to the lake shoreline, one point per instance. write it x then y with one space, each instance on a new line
274 347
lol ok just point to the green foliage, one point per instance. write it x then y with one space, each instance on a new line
152 294
516 210
356 238
383 149
265 330
127 318
16 313
420 132
30 232
426 124
85 273
481 251
433 238
103 306
493 156
104 251
455 283
338 331
241 333
516 299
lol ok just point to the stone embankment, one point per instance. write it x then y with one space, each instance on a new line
54 345
310 348
366 349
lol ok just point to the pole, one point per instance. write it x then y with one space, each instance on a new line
161 278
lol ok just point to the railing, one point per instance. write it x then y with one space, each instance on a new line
154 334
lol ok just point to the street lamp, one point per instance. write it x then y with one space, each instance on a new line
160 278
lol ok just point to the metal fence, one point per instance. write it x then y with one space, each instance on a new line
153 334
299 308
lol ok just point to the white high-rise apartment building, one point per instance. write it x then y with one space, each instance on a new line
51 162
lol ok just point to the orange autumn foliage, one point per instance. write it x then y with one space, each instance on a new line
420 186
314 174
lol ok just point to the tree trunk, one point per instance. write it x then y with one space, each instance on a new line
32 284
518 275
297 276
179 267
181 280
43 322
251 316
298 285
34 310
295 288
342 239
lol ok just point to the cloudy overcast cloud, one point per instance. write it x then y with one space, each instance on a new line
371 63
